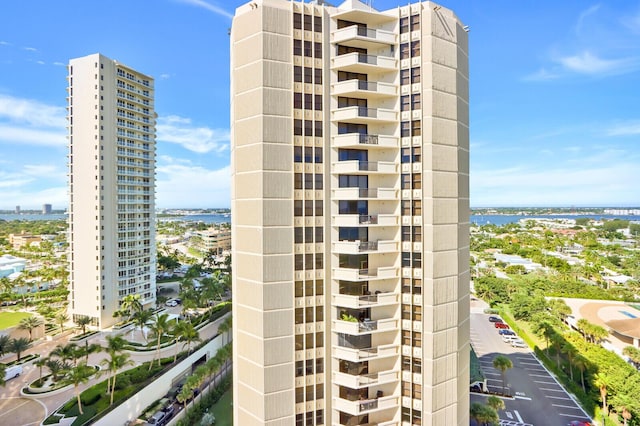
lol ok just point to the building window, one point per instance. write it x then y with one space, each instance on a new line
308 208
308 74
404 103
299 262
307 22
317 75
317 158
318 181
319 208
404 51
405 156
317 24
404 25
406 233
406 260
416 129
297 180
308 127
415 75
406 208
415 22
308 181
297 154
308 48
297 127
317 102
415 48
416 181
297 233
417 207
416 236
405 77
297 74
415 101
405 129
297 47
416 154
417 260
317 50
405 181
297 21
297 207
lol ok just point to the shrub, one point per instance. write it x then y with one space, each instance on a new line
91 396
123 382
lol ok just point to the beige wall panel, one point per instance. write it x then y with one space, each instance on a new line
248 346
463 62
443 132
462 86
248 158
463 161
251 293
444 53
444 105
250 265
247 51
277 240
463 111
248 104
279 405
463 282
277 323
277 213
248 77
463 240
250 374
248 212
463 136
463 210
279 351
251 401
277 185
285 421
443 158
249 320
463 319
444 184
247 132
463 186
248 185
276 20
440 211
440 237
442 78
277 47
278 129
445 264
277 268
277 75
278 157
245 25
277 102
246 238
278 295
278 378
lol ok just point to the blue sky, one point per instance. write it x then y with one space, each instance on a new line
555 87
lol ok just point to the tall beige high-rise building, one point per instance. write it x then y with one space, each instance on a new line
350 226
111 121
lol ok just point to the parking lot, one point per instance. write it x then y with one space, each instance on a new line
537 398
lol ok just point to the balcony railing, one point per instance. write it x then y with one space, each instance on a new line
364 406
364 354
354 166
363 62
358 35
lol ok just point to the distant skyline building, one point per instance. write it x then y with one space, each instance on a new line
112 148
350 225
17 210
46 209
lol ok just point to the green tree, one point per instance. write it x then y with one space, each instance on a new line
581 364
61 319
115 362
559 308
571 353
67 352
130 304
78 375
159 327
602 382
55 367
5 343
631 352
29 324
502 363
140 319
3 371
40 362
496 403
186 393
19 345
624 404
83 322
225 327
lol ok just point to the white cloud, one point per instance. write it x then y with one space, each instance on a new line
40 62
175 185
59 64
56 196
542 75
4 43
31 112
23 135
590 11
624 129
181 131
164 76
590 64
210 7
30 49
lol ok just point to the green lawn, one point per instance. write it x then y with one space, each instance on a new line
223 410
10 319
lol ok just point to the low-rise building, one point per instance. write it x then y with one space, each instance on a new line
11 264
21 240
216 240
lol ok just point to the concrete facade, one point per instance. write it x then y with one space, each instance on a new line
112 147
350 226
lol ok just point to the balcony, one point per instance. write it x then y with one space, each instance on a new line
356 140
363 37
364 89
365 354
365 220
365 193
363 63
365 406
352 274
364 327
357 247
365 380
365 301
364 115
364 167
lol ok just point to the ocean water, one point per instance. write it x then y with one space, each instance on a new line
26 216
503 219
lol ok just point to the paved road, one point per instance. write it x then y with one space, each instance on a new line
539 399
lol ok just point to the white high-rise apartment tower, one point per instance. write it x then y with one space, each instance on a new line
350 226
112 147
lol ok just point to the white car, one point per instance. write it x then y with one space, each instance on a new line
171 303
518 343
510 338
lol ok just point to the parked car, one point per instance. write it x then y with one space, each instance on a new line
518 343
506 332
171 303
579 423
509 338
158 419
494 318
500 325
12 372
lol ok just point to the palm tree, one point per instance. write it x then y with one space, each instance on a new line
91 349
556 342
159 327
78 375
83 322
581 364
55 367
70 351
40 362
631 352
225 326
61 319
19 345
5 342
189 335
115 343
3 371
488 415
624 404
602 382
131 304
29 324
502 363
115 362
571 352
495 403
140 319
